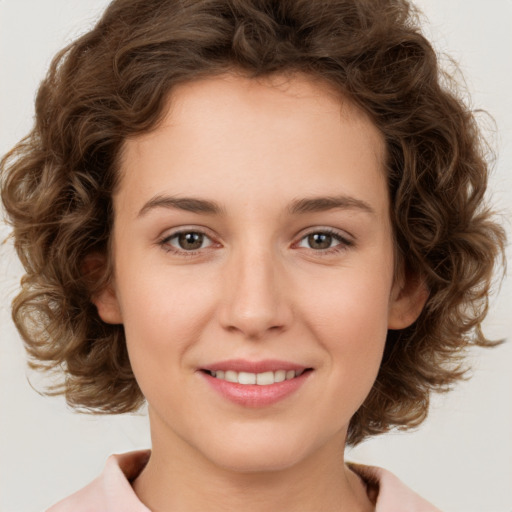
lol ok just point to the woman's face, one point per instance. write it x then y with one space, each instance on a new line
252 243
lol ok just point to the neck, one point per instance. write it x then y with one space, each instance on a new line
178 478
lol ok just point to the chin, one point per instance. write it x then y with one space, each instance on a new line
259 453
241 461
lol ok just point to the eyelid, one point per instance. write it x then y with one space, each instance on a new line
163 240
177 235
345 240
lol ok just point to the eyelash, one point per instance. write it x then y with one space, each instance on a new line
343 244
165 243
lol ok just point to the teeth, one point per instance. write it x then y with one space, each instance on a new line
231 376
246 378
280 375
262 379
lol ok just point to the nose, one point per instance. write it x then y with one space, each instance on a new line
255 299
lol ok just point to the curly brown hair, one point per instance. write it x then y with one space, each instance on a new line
113 83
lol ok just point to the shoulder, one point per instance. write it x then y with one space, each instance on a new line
389 493
111 491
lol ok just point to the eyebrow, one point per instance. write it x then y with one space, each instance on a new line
321 204
188 204
299 206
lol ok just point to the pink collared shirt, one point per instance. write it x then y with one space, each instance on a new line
112 491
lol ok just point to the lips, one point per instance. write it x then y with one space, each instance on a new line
255 384
242 365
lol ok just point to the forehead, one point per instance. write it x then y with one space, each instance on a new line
241 134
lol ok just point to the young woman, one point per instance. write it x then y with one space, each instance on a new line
265 219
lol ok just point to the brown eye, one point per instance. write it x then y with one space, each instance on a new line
188 241
326 241
320 240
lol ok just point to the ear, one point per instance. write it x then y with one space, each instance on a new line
408 297
103 294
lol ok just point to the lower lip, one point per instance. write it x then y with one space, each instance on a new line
253 395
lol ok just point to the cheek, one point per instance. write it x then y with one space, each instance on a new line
350 302
350 321
162 316
160 328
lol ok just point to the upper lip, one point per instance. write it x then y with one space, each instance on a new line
242 365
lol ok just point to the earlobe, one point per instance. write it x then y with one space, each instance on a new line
408 298
108 306
103 294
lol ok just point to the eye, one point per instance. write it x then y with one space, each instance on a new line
323 241
188 241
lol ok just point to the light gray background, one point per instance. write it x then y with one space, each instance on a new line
461 458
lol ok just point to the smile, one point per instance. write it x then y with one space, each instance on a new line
255 384
261 379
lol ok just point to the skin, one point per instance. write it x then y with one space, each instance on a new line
256 288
